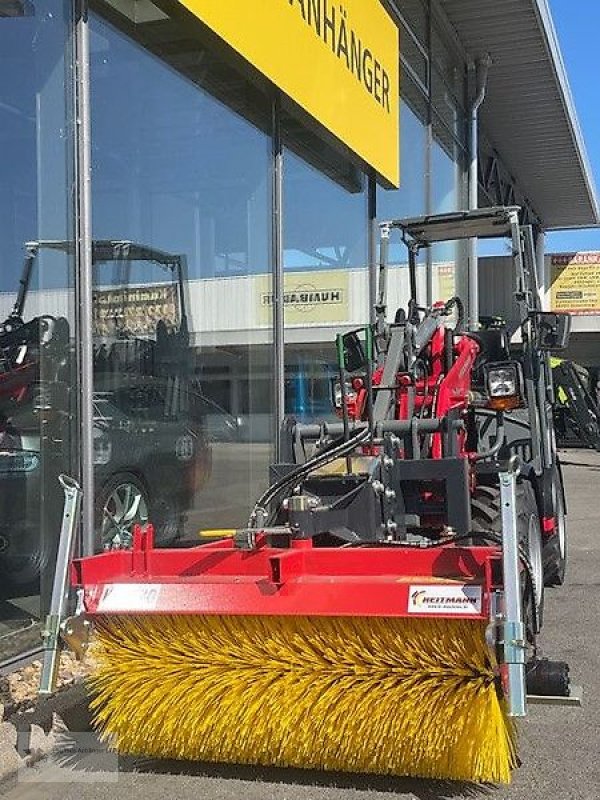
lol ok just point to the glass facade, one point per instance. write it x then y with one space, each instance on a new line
38 398
433 160
325 259
186 168
181 393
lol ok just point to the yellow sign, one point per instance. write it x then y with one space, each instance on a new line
575 283
338 60
308 297
446 281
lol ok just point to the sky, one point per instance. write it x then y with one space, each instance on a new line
578 25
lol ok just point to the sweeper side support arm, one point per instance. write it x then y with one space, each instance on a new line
55 620
513 638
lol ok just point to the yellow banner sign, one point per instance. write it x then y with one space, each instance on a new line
338 61
575 283
308 297
446 281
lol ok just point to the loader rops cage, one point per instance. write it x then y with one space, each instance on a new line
380 610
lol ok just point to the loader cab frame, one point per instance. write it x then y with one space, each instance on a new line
541 333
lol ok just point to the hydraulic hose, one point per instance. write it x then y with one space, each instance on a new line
336 450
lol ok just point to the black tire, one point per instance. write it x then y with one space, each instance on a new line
162 512
556 566
486 516
22 574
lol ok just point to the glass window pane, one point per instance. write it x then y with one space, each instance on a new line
449 118
449 259
408 201
183 315
326 279
450 65
324 224
414 57
415 14
37 358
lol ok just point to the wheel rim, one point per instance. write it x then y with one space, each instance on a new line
125 507
557 503
535 557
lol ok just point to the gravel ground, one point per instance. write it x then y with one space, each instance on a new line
18 691
559 747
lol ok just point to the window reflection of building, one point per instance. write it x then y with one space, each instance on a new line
37 406
200 187
182 161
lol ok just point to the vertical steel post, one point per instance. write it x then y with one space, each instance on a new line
373 237
278 277
429 176
522 255
429 298
544 385
84 281
481 72
540 259
412 274
430 209
513 666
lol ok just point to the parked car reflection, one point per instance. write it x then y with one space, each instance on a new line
220 425
151 449
152 456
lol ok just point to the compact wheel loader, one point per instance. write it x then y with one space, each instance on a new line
380 610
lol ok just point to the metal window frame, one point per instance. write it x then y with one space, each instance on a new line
277 275
83 268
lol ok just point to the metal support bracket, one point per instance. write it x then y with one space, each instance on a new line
574 699
60 588
512 630
75 631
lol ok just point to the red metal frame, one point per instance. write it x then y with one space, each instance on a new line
454 388
218 578
438 393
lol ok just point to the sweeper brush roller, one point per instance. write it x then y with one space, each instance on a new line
399 696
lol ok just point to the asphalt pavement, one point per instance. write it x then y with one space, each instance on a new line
560 747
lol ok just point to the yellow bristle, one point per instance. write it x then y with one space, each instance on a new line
383 695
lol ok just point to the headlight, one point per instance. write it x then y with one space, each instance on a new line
502 382
504 385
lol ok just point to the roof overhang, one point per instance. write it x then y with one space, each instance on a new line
529 115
